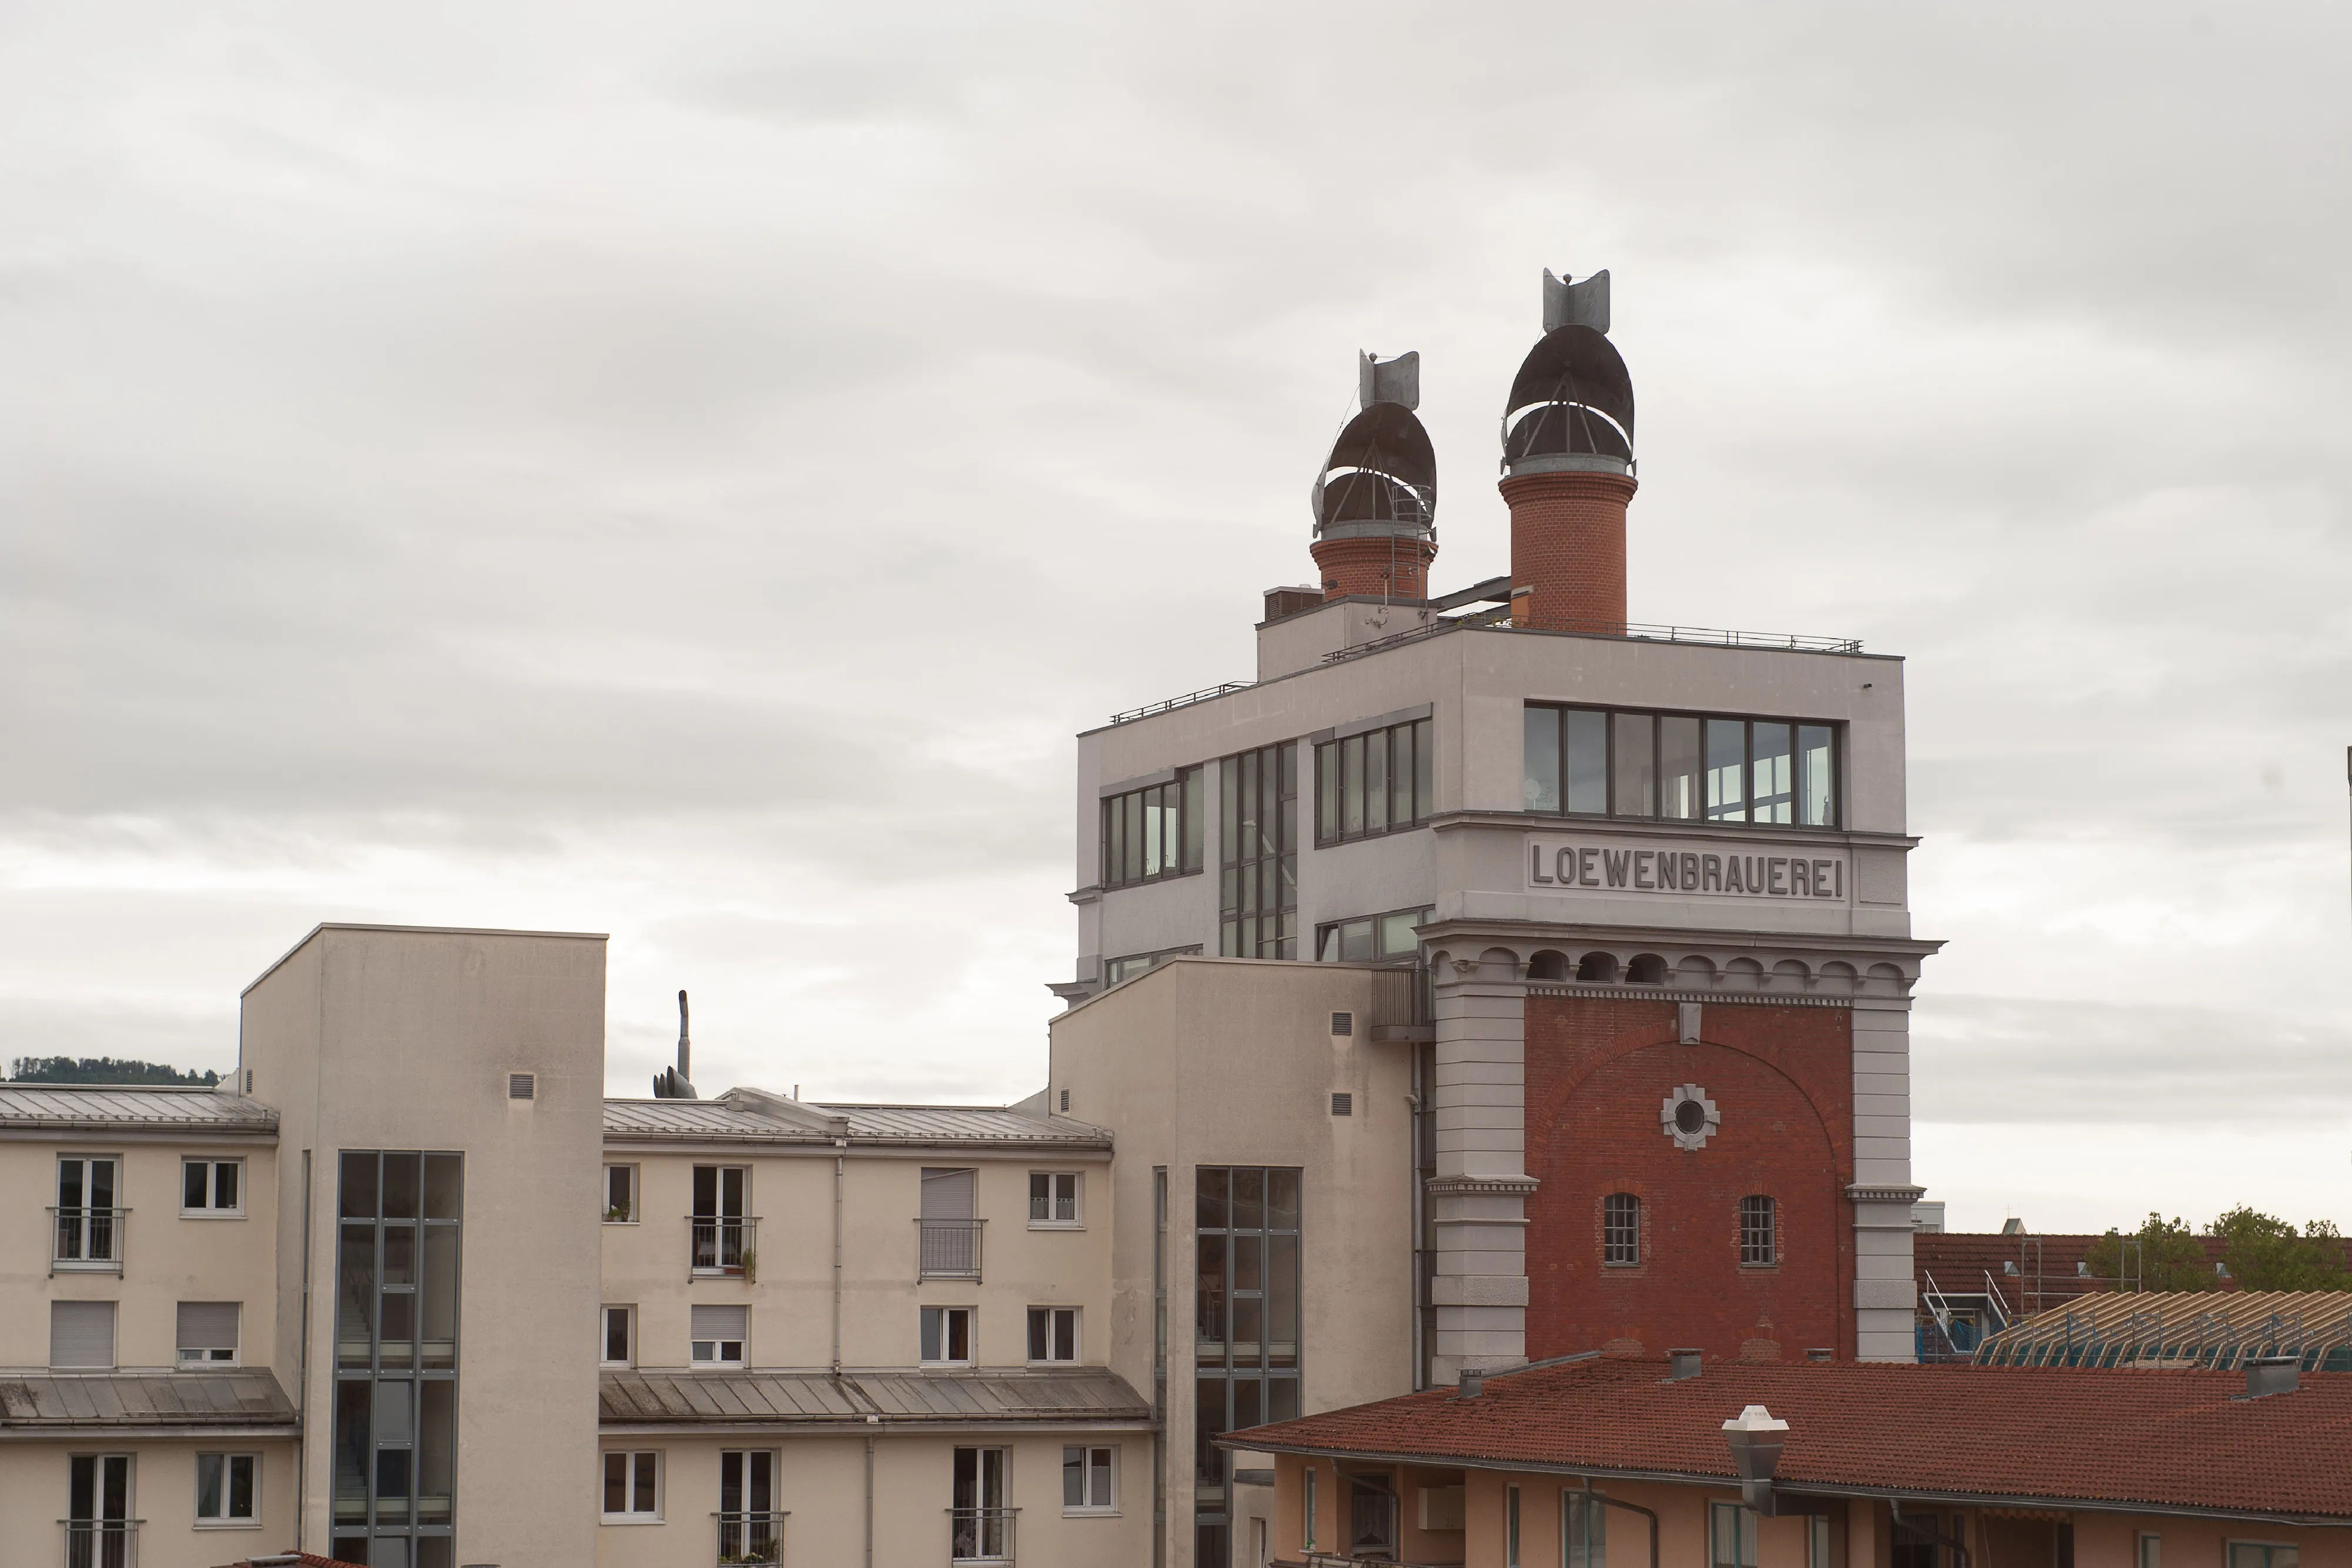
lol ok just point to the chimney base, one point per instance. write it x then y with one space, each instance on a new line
1375 566
1568 545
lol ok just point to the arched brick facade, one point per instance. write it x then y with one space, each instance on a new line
1782 1078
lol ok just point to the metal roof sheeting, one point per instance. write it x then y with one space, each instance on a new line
38 1400
132 1106
704 1120
984 1397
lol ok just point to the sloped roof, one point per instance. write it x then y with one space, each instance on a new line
2172 1439
978 1396
722 1120
133 1107
248 1396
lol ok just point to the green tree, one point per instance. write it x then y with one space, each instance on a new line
103 1070
2263 1252
2170 1256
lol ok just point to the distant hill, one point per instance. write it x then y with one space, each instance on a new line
103 1070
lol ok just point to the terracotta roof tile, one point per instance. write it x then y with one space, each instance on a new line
2166 1438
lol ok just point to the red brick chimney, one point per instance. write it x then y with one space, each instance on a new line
1568 460
1376 499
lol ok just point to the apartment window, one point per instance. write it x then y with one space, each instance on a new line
207 1332
1306 1509
1245 1323
1510 1527
1135 963
1053 1198
1373 939
620 1194
1621 1229
1758 1246
399 1223
1258 854
1731 1535
99 1526
1821 1544
947 1233
82 1335
211 1186
722 1236
2261 1554
633 1487
1693 768
2151 1551
716 1334
1088 1485
1376 782
1052 1334
1148 834
947 1338
979 1510
619 1337
1584 1531
225 1488
88 1216
750 1528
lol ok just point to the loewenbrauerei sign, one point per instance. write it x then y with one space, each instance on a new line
1629 867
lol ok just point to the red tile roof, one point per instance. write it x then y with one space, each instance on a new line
2171 1440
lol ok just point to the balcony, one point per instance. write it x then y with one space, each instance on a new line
751 1537
722 1246
87 1239
981 1535
948 1249
101 1542
1400 1004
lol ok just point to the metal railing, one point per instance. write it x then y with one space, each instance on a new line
981 1535
101 1542
1187 700
722 1246
1633 631
752 1537
87 1238
948 1249
1400 999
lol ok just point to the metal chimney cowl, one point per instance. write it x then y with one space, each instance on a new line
2269 1375
1756 1437
1683 1365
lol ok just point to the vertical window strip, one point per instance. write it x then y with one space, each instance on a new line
1156 832
1258 881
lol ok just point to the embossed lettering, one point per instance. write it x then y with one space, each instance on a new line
1710 874
1641 859
1731 883
1670 866
1821 879
1615 862
1584 859
1776 876
1534 863
1801 878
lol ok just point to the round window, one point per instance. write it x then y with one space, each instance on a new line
1690 1118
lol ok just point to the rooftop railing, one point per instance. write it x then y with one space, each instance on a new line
1632 631
1187 700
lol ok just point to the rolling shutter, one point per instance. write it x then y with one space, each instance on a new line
82 1334
948 1194
208 1325
714 1322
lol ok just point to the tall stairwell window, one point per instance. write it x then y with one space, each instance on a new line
1258 854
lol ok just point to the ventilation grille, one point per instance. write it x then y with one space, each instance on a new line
1342 1102
522 1086
1066 1100
1343 1023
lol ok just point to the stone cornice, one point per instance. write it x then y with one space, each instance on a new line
1862 1194
1480 1187
1652 828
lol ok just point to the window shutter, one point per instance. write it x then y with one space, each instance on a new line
82 1334
948 1194
208 1325
721 1323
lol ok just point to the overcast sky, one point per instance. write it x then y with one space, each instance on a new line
686 471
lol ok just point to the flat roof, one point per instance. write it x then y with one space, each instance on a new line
310 935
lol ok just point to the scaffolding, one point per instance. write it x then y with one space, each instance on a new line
2218 1331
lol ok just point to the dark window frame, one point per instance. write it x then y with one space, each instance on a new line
1257 892
1214 1301
1124 838
1336 773
1706 816
1329 929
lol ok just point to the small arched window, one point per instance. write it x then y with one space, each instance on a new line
1621 1229
1758 1247
1645 969
1598 969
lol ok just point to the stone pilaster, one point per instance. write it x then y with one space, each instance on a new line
1885 1295
1478 1197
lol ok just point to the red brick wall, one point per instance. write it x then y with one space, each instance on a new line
1568 542
1782 1078
1380 568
